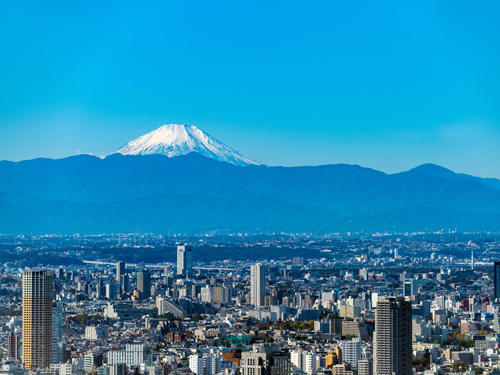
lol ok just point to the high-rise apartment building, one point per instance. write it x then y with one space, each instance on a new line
365 367
497 281
392 338
144 284
37 319
184 260
257 284
57 334
351 352
13 346
205 364
304 361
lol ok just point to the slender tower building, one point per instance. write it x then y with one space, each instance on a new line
144 284
120 273
120 270
37 319
184 260
496 272
392 337
257 284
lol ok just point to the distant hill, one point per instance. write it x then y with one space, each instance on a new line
192 193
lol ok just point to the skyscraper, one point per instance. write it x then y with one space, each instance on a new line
257 284
120 270
57 334
497 282
144 283
125 283
37 319
392 338
184 260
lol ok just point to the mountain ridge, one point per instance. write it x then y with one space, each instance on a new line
329 197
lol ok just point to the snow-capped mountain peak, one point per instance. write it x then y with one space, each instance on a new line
174 140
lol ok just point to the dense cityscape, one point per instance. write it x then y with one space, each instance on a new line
249 188
273 304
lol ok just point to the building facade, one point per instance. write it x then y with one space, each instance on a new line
37 319
144 284
257 284
265 359
392 338
497 282
184 260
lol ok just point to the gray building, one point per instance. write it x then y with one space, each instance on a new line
120 270
497 281
144 284
392 338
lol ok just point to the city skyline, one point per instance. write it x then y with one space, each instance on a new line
261 188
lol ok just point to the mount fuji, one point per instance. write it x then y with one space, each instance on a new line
174 140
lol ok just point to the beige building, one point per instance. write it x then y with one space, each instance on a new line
37 319
343 369
354 328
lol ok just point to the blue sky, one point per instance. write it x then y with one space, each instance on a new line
387 85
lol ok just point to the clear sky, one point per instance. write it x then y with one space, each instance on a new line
388 85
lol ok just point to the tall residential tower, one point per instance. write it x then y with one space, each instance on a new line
257 284
184 260
497 281
37 319
392 337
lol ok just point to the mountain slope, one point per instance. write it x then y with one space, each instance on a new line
162 213
327 198
437 171
175 140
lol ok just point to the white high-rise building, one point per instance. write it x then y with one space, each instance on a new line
304 361
206 294
184 260
133 355
257 284
351 352
206 364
